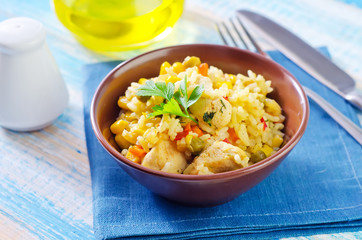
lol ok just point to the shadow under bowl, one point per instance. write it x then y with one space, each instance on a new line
201 190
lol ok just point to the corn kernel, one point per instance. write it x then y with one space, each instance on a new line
142 81
107 133
122 103
217 84
113 143
232 78
118 126
228 84
130 136
191 62
188 139
267 150
121 141
164 65
177 67
172 79
277 141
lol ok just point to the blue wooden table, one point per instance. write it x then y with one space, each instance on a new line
45 185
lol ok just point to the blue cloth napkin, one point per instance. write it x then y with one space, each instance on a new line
317 189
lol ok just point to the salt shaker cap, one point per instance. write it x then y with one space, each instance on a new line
20 34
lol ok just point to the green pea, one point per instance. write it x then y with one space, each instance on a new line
143 98
257 156
196 146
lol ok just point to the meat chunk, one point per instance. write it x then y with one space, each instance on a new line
212 113
219 157
165 157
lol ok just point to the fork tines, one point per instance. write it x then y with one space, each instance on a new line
234 33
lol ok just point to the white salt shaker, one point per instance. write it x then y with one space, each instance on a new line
32 91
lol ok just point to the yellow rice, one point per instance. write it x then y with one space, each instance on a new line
256 119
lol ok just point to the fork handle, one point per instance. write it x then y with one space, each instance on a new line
354 130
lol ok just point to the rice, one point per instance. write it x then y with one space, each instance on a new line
243 116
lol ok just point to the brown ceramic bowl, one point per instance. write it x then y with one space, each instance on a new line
201 190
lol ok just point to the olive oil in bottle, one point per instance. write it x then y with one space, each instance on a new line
114 25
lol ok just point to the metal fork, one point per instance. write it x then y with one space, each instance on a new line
234 33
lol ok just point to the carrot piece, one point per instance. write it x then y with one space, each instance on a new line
226 140
187 127
197 130
181 135
232 134
137 151
184 133
203 69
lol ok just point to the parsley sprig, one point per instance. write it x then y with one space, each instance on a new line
173 99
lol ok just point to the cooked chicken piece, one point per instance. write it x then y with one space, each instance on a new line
213 114
219 157
165 157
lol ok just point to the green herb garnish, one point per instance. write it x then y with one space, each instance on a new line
208 116
174 100
150 88
223 106
171 107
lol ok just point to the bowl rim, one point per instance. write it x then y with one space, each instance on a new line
282 152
